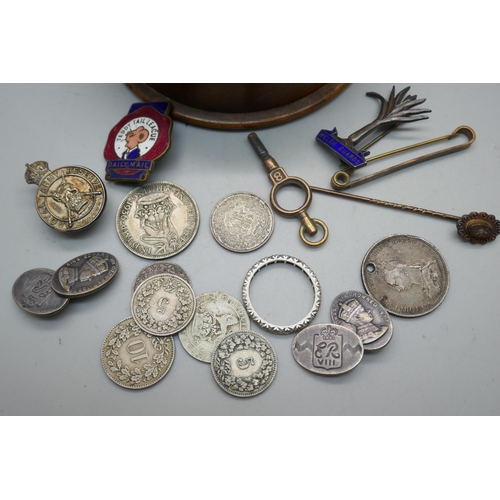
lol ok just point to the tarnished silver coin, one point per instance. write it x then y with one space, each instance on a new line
85 274
69 198
242 222
135 359
33 292
163 304
157 220
217 314
406 274
364 316
244 363
159 268
327 349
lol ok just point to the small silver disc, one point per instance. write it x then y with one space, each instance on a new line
159 268
244 364
242 222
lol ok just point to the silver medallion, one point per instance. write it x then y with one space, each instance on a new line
33 292
217 314
327 349
244 364
69 198
242 222
281 259
159 268
163 304
365 316
157 220
406 274
135 359
85 274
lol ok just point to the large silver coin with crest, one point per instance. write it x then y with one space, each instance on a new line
135 359
33 292
159 268
364 316
157 220
242 222
163 304
85 274
244 364
327 349
69 198
406 274
217 314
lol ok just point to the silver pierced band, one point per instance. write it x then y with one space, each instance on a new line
283 259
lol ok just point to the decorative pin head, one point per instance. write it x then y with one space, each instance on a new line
36 172
478 227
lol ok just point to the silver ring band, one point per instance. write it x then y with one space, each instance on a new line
285 259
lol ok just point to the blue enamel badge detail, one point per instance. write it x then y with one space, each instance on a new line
335 144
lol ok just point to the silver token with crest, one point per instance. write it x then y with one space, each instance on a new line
163 304
33 292
244 364
217 314
406 274
134 358
242 222
159 268
327 349
364 316
85 274
157 220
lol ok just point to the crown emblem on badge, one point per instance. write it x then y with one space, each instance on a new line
348 309
328 333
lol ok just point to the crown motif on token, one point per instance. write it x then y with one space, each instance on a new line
36 172
348 309
328 333
478 227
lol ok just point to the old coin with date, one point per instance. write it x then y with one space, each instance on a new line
134 358
406 274
85 274
244 364
159 268
365 316
327 349
217 314
163 304
242 222
157 220
33 292
69 198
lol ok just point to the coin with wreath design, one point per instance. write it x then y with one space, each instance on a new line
135 359
163 304
244 363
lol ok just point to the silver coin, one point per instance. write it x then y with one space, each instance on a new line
85 274
327 349
157 220
135 359
406 274
159 268
217 314
364 316
33 292
244 363
242 222
163 304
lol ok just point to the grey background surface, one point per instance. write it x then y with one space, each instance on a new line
445 363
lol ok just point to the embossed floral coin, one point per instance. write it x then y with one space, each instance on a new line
244 364
159 268
85 274
69 198
364 316
327 349
242 222
163 304
406 274
135 359
217 314
33 292
157 220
